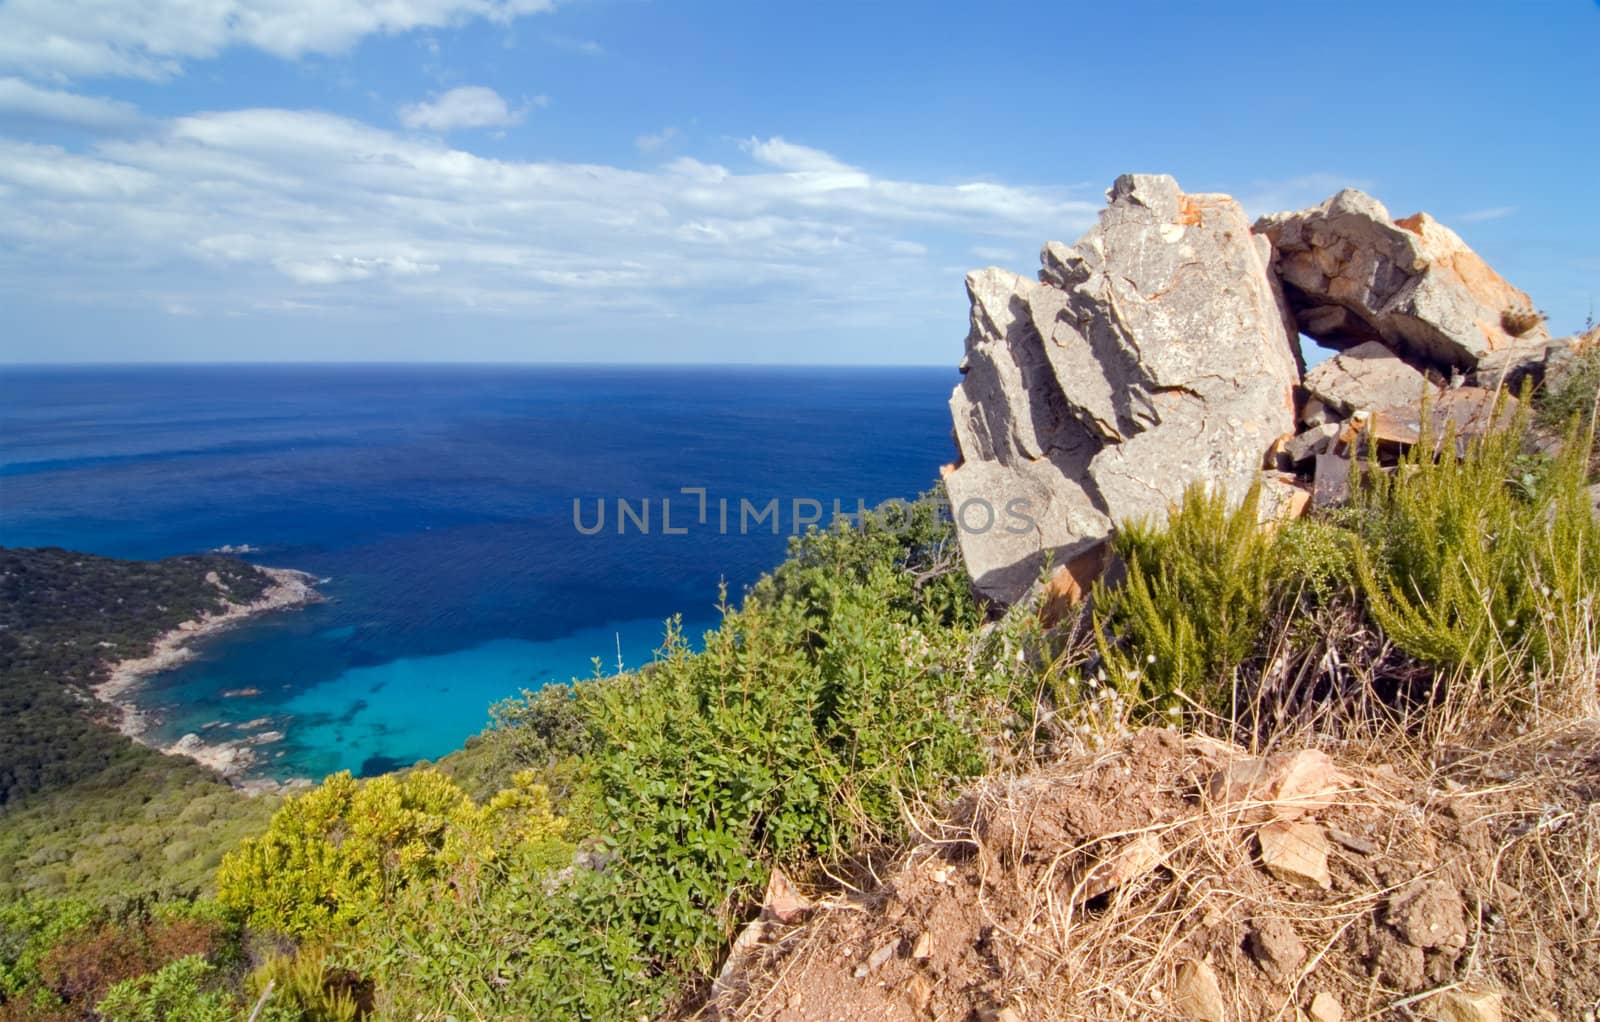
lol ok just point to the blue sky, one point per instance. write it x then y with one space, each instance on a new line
645 180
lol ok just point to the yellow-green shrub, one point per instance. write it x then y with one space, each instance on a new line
346 848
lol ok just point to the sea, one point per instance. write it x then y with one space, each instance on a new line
452 517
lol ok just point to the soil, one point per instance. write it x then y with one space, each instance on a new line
1469 872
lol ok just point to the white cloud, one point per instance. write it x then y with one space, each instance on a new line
1480 215
656 142
245 211
470 106
152 38
994 255
583 47
775 152
21 98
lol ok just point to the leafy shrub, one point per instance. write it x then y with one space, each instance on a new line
63 957
844 686
347 848
184 989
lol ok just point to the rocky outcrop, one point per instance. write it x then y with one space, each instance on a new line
1154 353
1369 375
1354 275
1161 350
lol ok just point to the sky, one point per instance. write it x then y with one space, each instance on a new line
726 180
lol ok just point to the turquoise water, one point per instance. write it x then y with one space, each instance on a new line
436 503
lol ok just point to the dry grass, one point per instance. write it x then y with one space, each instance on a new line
999 885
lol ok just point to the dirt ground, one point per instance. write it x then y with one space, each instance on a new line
1176 877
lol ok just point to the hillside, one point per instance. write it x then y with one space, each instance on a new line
83 808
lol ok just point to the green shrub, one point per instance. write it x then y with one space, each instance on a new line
348 848
184 989
1198 594
304 987
1480 566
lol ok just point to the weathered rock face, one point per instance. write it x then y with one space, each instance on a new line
1354 275
1156 352
1367 376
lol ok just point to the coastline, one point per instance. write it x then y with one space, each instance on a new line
288 589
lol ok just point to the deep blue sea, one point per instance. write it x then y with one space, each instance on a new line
437 504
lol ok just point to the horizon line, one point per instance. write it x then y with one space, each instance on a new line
486 363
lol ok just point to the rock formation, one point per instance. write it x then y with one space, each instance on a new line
1154 353
1355 275
1160 350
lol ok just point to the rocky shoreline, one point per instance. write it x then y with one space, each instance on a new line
232 759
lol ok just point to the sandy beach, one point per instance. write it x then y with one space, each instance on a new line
288 589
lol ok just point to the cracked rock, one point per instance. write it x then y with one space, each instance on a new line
1353 274
1367 376
1154 353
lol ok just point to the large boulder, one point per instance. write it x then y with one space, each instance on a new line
1154 353
1366 376
1354 275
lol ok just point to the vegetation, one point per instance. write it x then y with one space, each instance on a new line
84 810
338 855
64 619
841 688
1483 572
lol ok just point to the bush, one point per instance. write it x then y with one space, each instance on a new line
1486 567
303 987
842 688
348 848
1197 596
185 990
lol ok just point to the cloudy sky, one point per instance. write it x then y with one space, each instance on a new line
719 180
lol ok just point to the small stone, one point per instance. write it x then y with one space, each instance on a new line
1429 914
1199 994
875 960
1069 584
1314 441
1130 862
782 901
1352 842
1468 1004
1296 853
1332 481
1326 1008
1276 948
1283 499
923 950
1288 785
919 991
